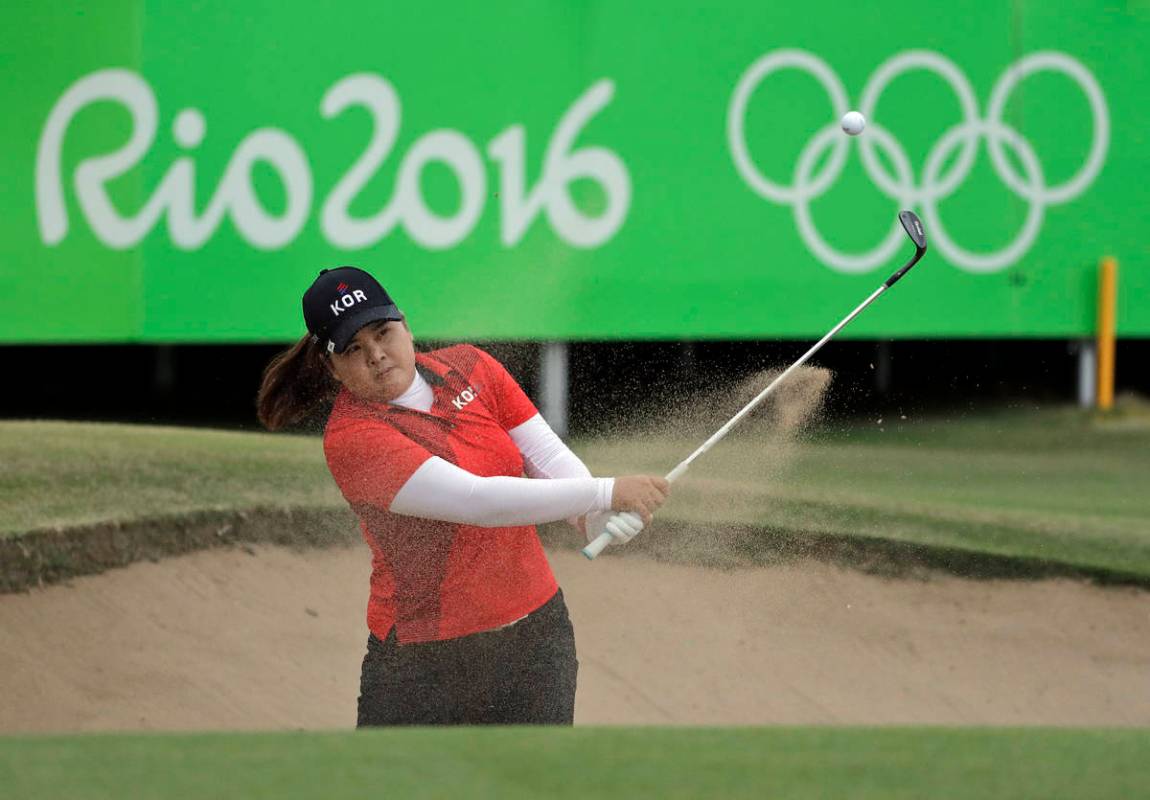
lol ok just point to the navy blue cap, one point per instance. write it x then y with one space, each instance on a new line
340 302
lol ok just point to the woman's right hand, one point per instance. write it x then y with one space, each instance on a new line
641 494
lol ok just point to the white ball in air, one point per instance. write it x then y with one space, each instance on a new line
853 123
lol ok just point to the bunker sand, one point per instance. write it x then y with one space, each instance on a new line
269 637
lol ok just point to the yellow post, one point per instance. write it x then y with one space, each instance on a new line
1107 314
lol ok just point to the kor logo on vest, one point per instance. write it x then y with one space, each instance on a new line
464 397
346 301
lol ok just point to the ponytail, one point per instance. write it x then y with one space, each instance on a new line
296 383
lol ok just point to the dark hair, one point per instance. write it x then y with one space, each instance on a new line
296 384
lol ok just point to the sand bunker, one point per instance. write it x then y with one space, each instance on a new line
266 637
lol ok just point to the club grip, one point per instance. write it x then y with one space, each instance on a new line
602 540
597 546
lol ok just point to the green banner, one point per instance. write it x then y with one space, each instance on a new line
571 170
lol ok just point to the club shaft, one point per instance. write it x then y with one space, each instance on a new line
913 226
596 547
718 435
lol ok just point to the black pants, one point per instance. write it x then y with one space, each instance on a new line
521 675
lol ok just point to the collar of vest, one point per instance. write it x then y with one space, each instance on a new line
432 369
429 368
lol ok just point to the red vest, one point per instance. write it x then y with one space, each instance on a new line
439 580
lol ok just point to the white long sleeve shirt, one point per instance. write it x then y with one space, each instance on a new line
442 491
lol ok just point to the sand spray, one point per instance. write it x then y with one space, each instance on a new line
716 510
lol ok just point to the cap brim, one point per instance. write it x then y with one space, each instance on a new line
345 331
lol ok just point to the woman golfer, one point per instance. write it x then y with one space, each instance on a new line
467 624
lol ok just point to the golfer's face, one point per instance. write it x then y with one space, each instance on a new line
379 363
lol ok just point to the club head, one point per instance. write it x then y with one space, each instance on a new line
913 227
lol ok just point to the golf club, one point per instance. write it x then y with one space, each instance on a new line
913 227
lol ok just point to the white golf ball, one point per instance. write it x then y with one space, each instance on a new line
853 123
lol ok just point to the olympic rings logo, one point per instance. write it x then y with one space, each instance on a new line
934 185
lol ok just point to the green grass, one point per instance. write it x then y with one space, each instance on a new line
582 763
63 474
1056 485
